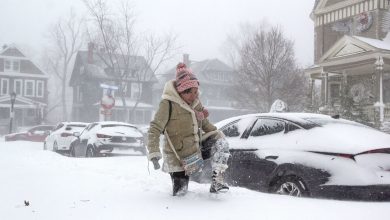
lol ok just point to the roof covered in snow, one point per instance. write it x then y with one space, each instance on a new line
380 44
98 68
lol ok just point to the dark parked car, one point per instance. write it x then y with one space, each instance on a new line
37 133
310 155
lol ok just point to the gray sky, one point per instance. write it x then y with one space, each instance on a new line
201 25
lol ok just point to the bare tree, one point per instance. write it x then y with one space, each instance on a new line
128 56
266 69
65 38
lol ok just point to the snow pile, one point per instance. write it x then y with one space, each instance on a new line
120 187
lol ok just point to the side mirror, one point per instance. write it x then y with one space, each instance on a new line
76 134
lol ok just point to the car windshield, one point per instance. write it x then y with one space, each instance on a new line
77 125
117 125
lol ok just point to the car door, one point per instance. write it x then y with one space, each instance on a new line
234 133
255 166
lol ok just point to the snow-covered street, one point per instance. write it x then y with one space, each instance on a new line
60 187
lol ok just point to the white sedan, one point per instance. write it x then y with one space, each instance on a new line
104 137
304 154
62 136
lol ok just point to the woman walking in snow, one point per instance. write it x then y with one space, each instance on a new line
183 119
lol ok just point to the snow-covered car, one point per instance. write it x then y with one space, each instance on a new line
36 133
62 136
104 137
311 155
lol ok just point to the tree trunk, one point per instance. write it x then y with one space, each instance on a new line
63 96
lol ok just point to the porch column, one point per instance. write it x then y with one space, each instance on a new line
312 83
379 67
326 90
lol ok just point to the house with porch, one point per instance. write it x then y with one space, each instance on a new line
19 74
352 59
91 71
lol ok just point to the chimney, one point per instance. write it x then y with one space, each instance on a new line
186 59
91 47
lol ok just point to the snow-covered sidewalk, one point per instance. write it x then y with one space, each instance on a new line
59 187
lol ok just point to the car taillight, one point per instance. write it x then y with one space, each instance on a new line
65 134
103 136
349 156
377 151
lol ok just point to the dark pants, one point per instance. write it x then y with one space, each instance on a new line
179 183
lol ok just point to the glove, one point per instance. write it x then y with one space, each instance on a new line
155 163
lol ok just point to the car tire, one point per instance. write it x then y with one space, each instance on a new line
292 186
90 152
55 146
72 151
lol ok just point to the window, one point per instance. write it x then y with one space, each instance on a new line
4 113
30 112
11 65
18 86
267 127
139 117
4 86
29 87
136 89
40 88
334 90
79 94
292 127
238 127
231 130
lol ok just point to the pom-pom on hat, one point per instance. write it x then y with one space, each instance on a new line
185 79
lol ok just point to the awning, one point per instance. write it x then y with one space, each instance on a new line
20 102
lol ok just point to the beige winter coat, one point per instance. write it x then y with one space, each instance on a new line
182 128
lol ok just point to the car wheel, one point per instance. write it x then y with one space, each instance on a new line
55 146
90 152
292 186
72 151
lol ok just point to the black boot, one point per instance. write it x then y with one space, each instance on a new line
217 184
179 183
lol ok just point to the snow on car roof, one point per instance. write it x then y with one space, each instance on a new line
297 117
334 135
75 123
115 123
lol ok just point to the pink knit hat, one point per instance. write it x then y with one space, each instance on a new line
185 79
